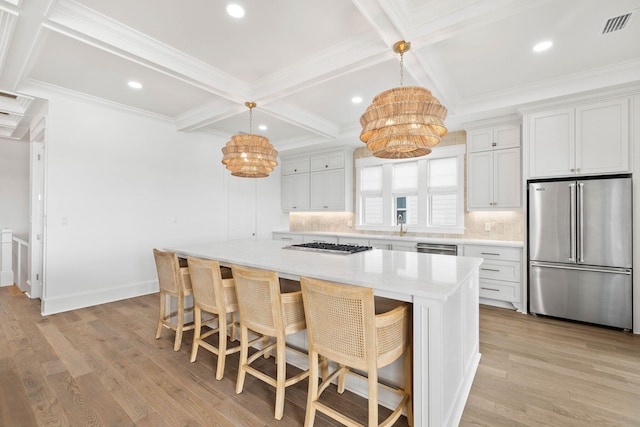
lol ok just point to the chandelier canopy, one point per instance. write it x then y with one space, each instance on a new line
248 155
404 121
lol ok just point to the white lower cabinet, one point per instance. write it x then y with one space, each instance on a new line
500 274
353 241
288 237
404 246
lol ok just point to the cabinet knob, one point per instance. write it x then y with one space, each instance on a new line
326 207
493 144
295 170
326 166
572 170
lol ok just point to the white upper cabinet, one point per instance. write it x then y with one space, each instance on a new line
318 182
590 138
295 192
493 168
492 138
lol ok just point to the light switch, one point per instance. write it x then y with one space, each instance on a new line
487 226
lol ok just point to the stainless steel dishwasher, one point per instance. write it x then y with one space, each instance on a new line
437 248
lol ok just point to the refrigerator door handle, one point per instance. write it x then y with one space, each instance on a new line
572 222
581 222
626 271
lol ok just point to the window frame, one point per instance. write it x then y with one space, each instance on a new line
424 192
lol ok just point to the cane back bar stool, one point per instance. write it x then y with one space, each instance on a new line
342 326
267 312
174 282
216 296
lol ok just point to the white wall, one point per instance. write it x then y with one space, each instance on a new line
118 185
14 186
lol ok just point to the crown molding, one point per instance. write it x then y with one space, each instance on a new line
44 90
569 85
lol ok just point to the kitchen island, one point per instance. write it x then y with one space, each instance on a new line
443 290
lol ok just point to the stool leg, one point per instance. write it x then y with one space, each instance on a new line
312 394
222 345
373 398
163 299
196 333
180 325
408 382
281 368
244 352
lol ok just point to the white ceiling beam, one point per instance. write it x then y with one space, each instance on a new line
81 23
207 115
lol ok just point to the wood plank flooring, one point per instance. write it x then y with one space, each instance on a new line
102 366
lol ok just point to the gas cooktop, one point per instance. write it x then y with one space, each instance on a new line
334 248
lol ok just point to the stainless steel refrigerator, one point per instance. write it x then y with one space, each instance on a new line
580 244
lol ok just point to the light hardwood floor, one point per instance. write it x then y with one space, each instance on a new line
102 366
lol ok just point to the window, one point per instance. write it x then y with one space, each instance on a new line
425 194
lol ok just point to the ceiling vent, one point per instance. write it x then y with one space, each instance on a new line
8 95
617 23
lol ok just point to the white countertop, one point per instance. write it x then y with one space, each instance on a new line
416 239
393 274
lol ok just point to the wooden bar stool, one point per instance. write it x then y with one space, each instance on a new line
269 313
174 282
342 326
216 296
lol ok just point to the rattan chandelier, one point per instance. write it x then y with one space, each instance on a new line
404 121
248 155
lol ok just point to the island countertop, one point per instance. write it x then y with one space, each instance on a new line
393 274
443 290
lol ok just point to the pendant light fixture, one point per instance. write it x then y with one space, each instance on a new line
248 155
404 121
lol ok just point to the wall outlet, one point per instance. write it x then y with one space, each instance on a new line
487 226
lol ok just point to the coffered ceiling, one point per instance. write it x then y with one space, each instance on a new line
303 60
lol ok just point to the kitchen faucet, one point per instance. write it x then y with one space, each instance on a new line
402 231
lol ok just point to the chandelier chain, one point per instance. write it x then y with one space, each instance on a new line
401 68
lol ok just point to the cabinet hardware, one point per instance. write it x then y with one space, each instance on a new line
326 166
490 269
489 253
490 289
326 207
493 144
295 170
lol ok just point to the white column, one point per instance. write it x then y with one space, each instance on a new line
6 258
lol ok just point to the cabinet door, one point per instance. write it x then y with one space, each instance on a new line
506 178
295 165
480 140
327 190
602 135
507 136
295 192
551 143
328 161
480 180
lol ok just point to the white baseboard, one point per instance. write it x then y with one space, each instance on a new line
97 296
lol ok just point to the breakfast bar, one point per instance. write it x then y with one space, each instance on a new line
443 290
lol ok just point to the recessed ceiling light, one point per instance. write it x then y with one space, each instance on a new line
542 46
356 99
235 10
135 85
263 127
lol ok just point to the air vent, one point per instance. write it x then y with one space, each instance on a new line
8 95
617 23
